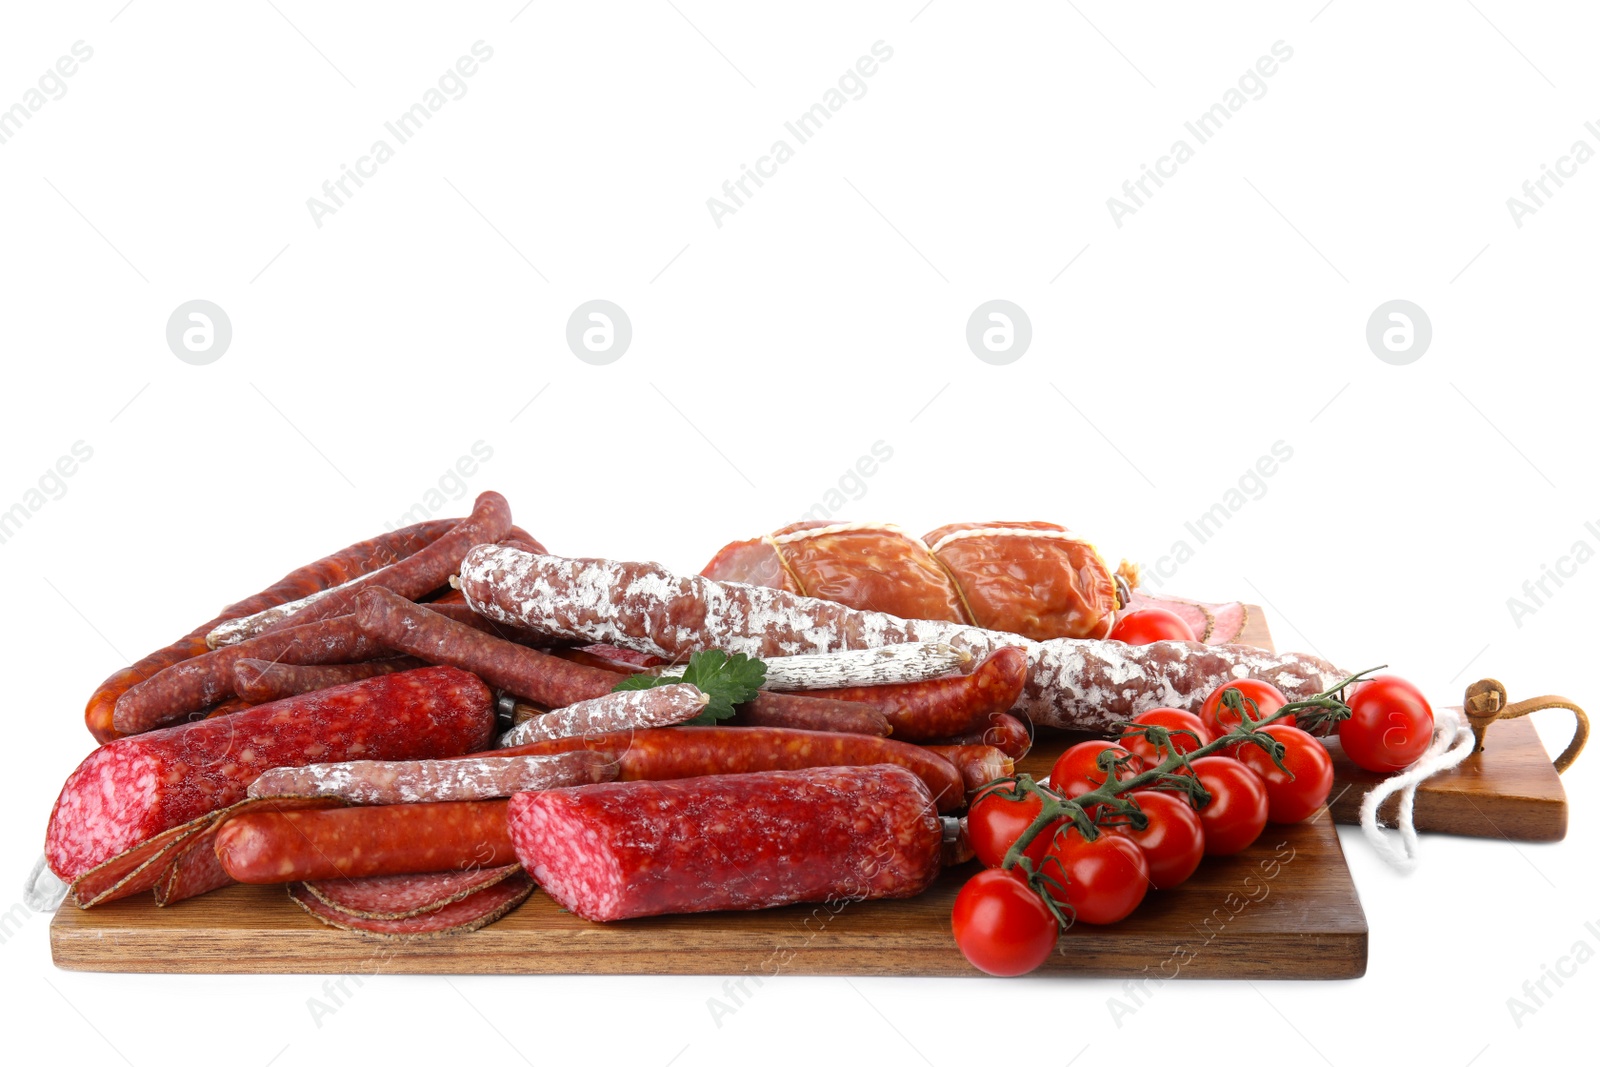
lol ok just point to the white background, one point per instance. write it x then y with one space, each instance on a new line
768 354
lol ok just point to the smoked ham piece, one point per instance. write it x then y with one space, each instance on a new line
1036 579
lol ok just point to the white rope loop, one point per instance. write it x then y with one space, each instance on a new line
1452 743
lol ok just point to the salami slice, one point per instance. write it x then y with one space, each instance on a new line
472 912
135 788
133 871
1075 684
738 842
1213 624
401 896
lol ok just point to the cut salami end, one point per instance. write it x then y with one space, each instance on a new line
138 787
472 912
134 870
402 896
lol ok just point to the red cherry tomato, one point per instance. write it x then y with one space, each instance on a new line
1291 799
1173 843
994 823
1001 925
1151 624
1219 719
1238 810
1077 771
1173 720
1389 727
1103 880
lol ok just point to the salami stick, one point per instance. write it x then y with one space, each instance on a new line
308 846
630 849
428 781
423 571
196 683
204 680
796 712
793 711
641 709
690 751
945 707
400 625
889 665
1082 684
235 630
979 764
359 558
1008 733
137 787
261 682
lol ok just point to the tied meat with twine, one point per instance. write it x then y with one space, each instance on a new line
1458 732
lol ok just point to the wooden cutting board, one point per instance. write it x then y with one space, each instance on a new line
1510 790
1285 908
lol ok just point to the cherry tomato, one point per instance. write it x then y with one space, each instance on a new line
1151 624
994 823
1173 720
1001 925
1219 719
1173 843
1297 798
1103 880
1077 771
1389 727
1238 810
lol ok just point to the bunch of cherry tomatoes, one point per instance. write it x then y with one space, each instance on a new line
1140 813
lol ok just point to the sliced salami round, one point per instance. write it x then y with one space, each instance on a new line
402 896
469 913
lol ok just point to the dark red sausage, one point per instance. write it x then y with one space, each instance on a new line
299 846
192 685
796 712
622 850
136 787
425 570
979 764
946 707
688 751
260 681
437 636
363 557
1008 733
203 680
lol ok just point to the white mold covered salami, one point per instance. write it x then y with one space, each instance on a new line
1077 684
640 709
433 781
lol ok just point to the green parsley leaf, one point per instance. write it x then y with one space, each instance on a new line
726 680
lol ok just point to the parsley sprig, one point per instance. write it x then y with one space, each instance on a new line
726 680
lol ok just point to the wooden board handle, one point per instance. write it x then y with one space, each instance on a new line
1486 701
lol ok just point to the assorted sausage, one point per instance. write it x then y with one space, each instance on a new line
337 732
